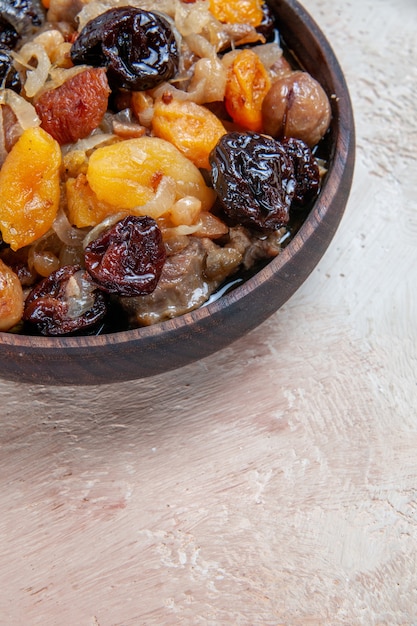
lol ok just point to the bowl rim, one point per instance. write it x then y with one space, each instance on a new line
338 171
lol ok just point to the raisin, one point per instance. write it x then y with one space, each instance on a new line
254 179
127 259
306 170
65 302
75 108
9 76
137 47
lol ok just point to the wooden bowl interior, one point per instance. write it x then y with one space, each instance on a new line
152 350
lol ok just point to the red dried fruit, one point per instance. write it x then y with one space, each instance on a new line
127 259
75 108
65 302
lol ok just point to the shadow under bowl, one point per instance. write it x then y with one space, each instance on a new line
149 351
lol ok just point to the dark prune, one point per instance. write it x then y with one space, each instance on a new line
127 259
65 302
137 47
306 170
8 35
24 16
9 76
254 179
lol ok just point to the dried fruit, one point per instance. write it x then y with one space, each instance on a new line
127 259
296 106
9 76
237 11
306 170
137 47
11 298
192 128
254 179
75 108
248 82
29 188
84 208
65 302
126 174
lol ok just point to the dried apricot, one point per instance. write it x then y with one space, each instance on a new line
248 82
29 188
237 11
75 108
192 128
84 208
11 298
126 175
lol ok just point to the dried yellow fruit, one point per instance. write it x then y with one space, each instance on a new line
11 298
29 188
126 175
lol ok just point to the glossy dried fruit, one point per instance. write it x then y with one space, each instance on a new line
237 11
127 259
254 179
65 302
84 208
137 47
248 82
296 106
192 128
29 188
9 76
11 298
75 108
306 170
126 175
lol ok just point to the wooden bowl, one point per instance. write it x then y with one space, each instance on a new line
156 349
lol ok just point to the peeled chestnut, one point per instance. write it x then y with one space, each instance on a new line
296 106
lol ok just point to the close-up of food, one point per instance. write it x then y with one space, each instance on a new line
153 156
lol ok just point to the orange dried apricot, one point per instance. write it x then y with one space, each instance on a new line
11 298
29 188
84 208
192 128
248 82
237 11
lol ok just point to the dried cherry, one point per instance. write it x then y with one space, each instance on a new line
137 47
254 178
127 259
65 302
306 170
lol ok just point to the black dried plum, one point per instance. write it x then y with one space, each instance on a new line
127 259
306 170
65 302
254 180
8 35
9 76
137 47
25 17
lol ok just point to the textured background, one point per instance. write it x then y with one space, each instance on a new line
274 483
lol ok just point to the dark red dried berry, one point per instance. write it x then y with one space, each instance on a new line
306 170
254 180
65 302
127 259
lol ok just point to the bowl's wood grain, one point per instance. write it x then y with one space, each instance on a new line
175 343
